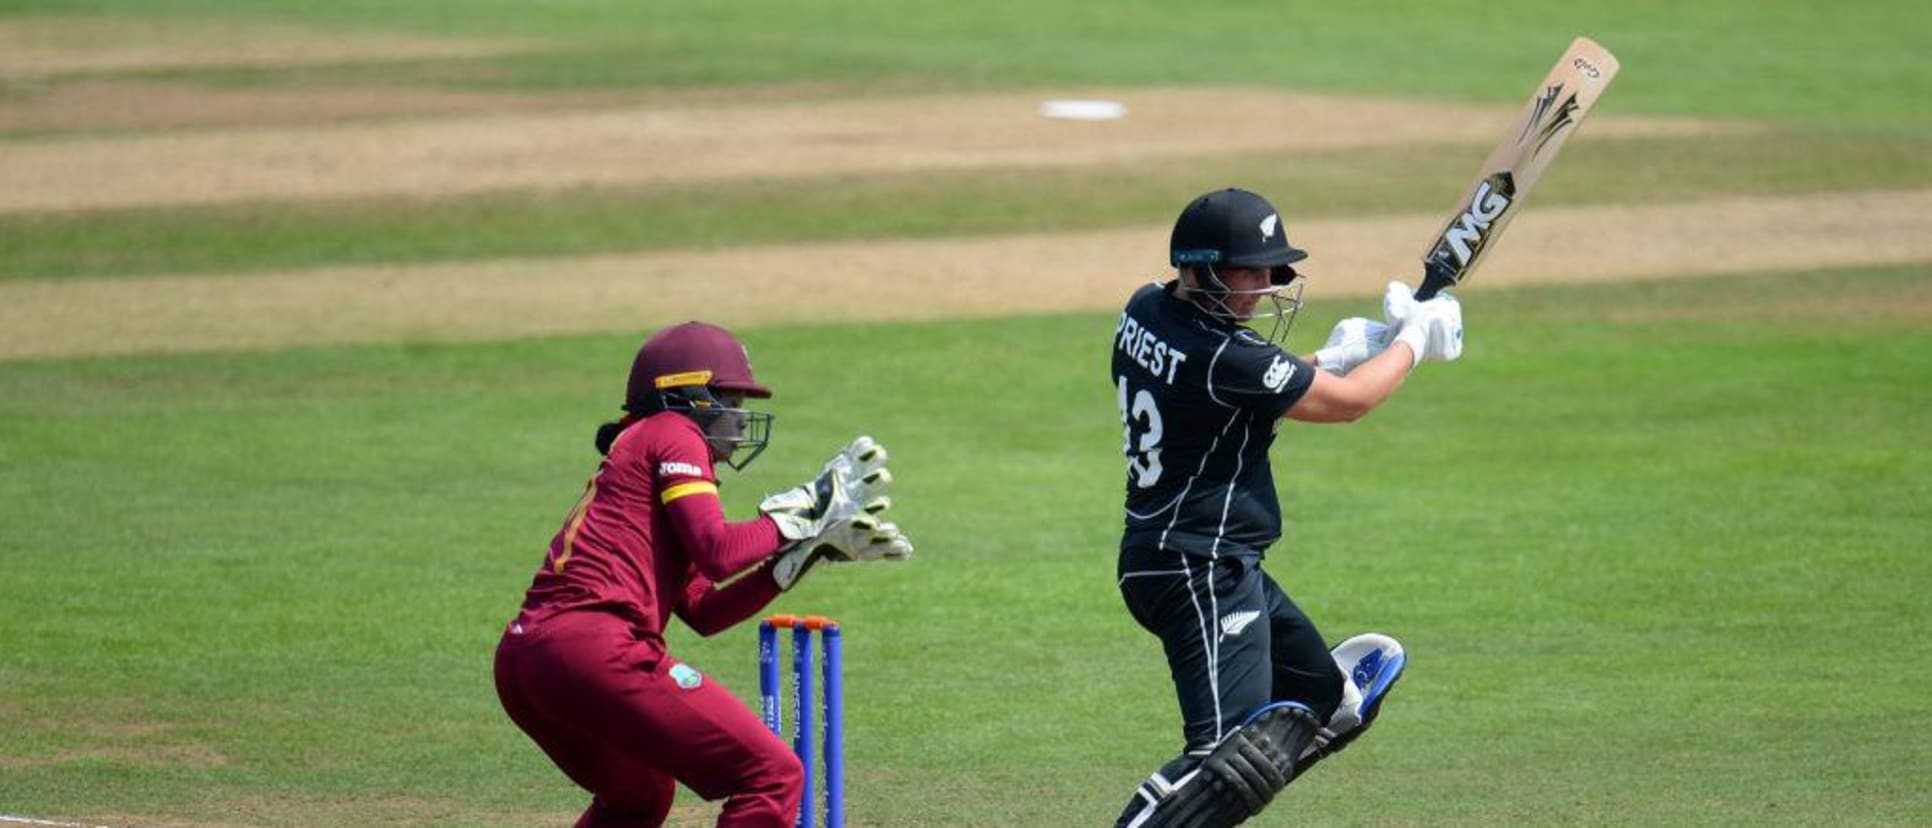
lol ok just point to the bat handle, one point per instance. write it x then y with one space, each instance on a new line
1435 277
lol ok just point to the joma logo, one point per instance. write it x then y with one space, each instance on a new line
673 468
1491 200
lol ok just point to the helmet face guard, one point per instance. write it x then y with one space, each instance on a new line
1278 303
1235 228
730 430
704 373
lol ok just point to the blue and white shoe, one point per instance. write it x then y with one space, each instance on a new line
1373 663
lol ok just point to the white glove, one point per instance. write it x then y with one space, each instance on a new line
1354 341
1398 303
861 537
794 562
855 480
1432 329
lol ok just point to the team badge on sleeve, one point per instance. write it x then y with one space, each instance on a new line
686 676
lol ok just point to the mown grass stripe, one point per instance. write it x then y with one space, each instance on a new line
265 237
883 280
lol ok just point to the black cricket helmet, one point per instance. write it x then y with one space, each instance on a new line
700 370
1238 228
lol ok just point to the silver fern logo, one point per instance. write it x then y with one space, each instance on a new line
1234 622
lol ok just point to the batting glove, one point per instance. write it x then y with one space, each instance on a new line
1398 304
855 480
1353 342
1433 329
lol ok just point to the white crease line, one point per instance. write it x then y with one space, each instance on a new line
21 820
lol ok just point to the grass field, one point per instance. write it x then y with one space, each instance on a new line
1657 549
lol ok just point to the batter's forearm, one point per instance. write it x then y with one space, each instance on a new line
1333 399
1384 372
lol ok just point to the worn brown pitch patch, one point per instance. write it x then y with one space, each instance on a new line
38 47
669 143
143 105
919 279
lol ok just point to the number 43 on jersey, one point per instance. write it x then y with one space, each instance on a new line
1144 454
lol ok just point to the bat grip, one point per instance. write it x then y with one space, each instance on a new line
1435 277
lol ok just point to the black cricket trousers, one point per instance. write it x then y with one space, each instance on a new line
1234 639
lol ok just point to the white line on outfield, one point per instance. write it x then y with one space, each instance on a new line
20 820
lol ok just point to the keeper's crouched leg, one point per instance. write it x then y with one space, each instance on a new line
1234 781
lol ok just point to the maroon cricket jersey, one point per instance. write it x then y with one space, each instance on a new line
648 539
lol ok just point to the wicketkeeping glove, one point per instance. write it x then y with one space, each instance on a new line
1354 341
854 481
795 561
861 537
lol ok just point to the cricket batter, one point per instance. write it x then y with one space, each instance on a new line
1201 396
584 670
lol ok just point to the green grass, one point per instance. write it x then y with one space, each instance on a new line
278 236
1845 64
1655 550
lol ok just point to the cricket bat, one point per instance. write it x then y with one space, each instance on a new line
1552 114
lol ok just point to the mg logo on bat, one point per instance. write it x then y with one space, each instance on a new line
1465 235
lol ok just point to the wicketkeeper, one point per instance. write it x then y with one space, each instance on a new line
583 669
1201 395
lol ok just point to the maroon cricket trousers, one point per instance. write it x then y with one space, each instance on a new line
624 720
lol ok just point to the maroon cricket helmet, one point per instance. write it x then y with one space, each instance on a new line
690 354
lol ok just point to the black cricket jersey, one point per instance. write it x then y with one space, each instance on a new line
1200 399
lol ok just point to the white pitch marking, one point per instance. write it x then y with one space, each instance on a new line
1083 110
20 820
